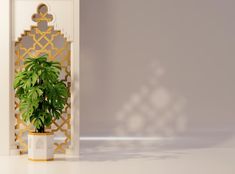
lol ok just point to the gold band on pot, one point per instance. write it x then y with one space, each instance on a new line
41 160
41 134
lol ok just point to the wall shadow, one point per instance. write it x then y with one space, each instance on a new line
148 70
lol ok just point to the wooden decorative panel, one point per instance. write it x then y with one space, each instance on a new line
39 40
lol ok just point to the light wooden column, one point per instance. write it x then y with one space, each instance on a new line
75 109
5 45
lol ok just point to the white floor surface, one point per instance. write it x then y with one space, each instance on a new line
135 157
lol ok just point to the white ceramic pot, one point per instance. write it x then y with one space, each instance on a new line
40 146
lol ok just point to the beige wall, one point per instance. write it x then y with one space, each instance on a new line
5 127
158 68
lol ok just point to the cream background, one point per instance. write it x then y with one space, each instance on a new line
158 68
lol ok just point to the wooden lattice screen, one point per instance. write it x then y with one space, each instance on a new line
39 40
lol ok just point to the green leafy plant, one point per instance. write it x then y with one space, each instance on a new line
41 93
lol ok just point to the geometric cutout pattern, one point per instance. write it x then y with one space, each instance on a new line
39 40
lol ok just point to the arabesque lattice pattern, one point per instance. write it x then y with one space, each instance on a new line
44 39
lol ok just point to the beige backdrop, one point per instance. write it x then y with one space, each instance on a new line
158 68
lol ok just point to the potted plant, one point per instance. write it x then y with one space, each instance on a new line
42 98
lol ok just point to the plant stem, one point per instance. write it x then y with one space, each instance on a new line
41 129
